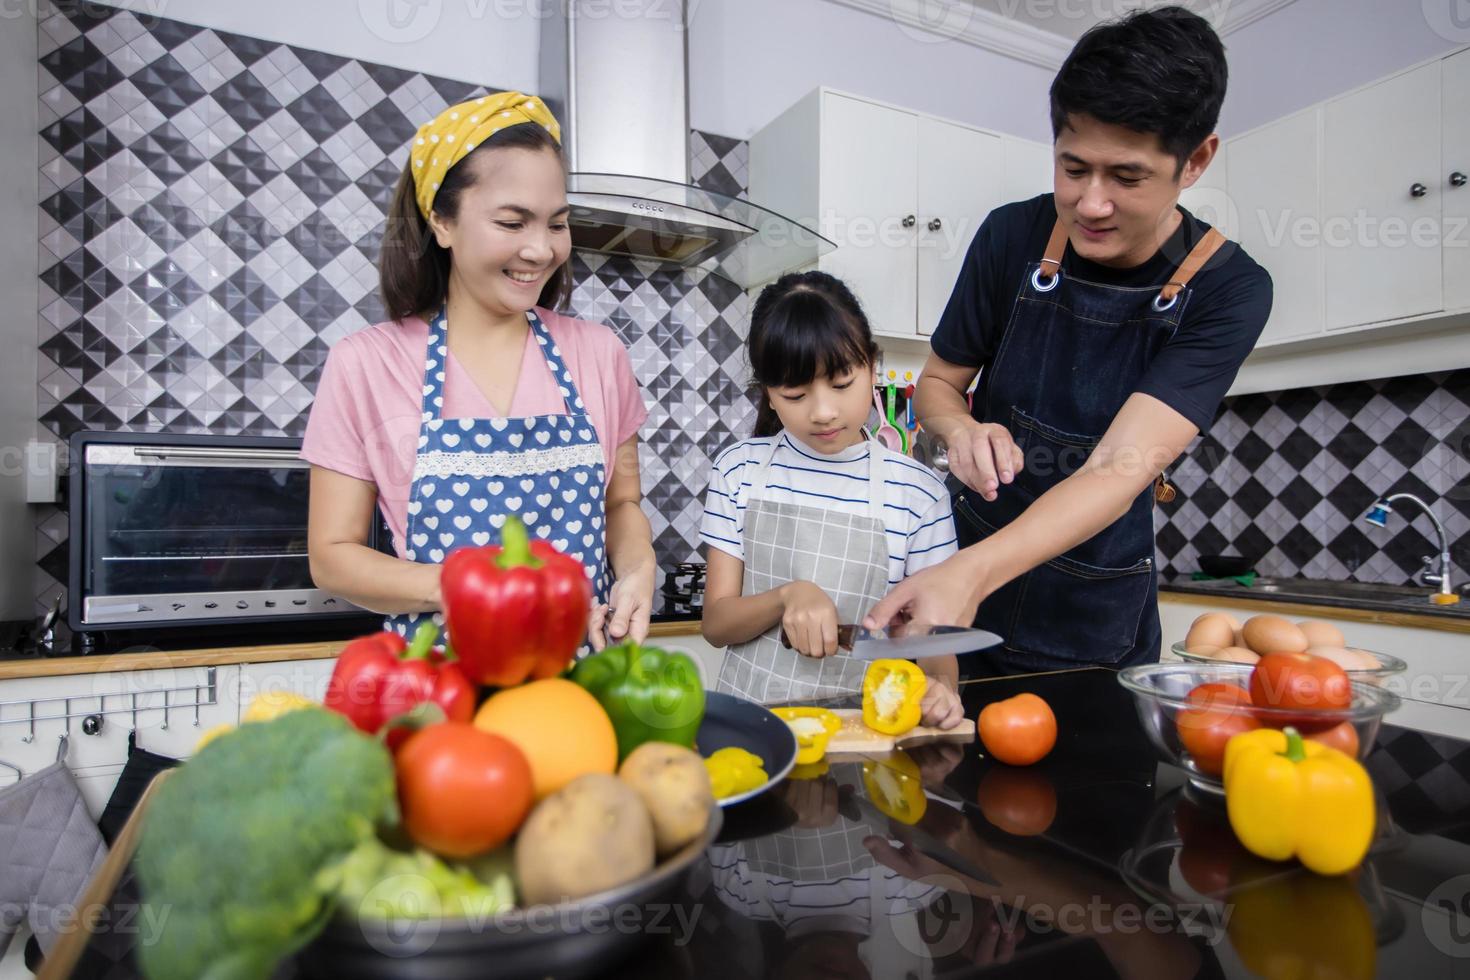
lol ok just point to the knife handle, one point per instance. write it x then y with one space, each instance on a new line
845 636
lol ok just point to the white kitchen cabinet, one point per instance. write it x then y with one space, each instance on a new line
1273 189
1454 178
961 172
900 193
1381 200
869 205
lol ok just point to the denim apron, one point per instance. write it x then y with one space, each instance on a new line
1071 354
468 474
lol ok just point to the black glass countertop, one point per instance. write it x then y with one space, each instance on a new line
1098 861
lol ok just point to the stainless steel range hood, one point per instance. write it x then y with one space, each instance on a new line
616 76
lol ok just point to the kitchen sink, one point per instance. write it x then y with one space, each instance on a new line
1344 593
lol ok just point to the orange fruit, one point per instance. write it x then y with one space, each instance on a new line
562 730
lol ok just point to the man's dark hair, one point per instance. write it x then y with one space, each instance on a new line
1158 71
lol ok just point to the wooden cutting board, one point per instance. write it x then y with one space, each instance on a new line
855 738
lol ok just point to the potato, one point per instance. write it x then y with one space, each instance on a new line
591 835
674 784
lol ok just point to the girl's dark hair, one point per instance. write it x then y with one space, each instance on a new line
804 324
1159 71
413 270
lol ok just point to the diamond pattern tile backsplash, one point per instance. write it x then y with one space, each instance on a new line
1286 477
210 210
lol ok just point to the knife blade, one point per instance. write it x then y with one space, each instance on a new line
909 641
925 843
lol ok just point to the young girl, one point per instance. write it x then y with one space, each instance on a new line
810 522
478 400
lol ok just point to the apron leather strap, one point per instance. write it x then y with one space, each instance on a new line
1202 253
1055 246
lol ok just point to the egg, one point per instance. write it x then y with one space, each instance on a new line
1272 634
1210 630
1238 655
1345 658
1320 634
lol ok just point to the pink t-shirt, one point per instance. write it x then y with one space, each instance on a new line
365 419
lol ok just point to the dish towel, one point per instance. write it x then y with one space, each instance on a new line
49 851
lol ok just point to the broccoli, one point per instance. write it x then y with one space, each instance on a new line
378 882
235 842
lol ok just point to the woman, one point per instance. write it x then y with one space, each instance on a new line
477 400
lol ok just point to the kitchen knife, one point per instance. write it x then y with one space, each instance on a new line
909 641
924 842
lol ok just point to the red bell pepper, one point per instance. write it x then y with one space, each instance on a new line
379 677
514 612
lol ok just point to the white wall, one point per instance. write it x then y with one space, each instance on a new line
1312 50
19 269
490 42
749 60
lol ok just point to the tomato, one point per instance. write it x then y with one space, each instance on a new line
1019 801
1204 730
1218 694
1018 730
463 791
1207 846
1300 680
1344 738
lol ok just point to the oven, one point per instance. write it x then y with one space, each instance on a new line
174 530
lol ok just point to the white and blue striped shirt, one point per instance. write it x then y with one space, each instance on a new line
917 511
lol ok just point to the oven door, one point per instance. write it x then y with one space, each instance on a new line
188 530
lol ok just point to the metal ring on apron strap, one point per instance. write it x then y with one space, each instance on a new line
1055 278
1167 306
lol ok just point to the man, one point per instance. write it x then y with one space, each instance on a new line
1105 324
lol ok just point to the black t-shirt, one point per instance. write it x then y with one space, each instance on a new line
1191 373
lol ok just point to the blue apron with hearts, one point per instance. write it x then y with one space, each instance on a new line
469 474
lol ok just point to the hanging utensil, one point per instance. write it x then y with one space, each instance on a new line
885 433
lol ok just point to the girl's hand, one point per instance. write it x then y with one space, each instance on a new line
629 605
809 618
941 705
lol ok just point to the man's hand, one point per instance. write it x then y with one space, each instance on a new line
945 594
982 455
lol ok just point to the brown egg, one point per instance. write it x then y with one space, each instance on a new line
1272 634
1346 659
1320 634
1238 655
1210 630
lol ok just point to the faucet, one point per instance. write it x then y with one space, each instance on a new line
1377 515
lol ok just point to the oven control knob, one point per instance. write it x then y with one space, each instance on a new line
242 604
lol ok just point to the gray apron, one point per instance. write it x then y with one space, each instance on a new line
843 554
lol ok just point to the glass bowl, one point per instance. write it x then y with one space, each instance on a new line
1387 665
1160 693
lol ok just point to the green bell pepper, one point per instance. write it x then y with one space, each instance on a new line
651 695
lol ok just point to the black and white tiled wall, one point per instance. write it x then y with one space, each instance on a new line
1286 478
210 210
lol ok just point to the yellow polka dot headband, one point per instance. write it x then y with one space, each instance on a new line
449 137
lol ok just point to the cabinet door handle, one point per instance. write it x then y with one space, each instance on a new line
1457 179
1418 190
909 220
934 225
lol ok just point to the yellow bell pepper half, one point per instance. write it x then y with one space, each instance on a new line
896 787
892 690
733 770
813 728
1287 796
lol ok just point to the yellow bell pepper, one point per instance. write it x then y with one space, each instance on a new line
813 728
810 770
733 770
269 705
896 787
1288 796
892 690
